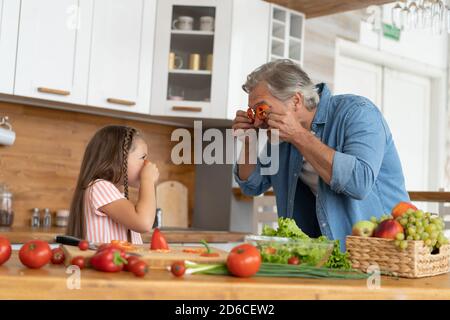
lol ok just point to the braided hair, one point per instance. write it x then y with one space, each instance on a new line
127 143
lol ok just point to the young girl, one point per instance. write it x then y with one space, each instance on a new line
115 158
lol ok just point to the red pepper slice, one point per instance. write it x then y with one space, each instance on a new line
262 111
251 114
158 241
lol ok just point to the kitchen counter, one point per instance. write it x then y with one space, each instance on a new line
50 282
173 235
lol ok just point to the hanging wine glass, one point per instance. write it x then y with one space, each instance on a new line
405 18
427 14
412 15
397 15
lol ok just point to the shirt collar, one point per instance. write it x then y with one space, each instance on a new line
322 108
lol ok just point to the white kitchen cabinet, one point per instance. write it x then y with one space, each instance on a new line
122 54
287 30
236 45
53 50
9 26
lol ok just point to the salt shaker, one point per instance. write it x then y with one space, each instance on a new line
47 218
35 218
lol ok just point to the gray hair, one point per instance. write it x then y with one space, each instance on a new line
284 79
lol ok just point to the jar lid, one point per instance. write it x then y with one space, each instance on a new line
62 213
4 193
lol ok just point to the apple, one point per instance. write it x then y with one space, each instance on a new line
363 228
388 229
401 207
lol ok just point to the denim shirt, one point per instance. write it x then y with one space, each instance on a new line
367 178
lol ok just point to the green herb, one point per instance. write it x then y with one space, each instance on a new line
280 270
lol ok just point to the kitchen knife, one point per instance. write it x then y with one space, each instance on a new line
74 241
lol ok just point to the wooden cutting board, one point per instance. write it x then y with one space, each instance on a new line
172 198
154 259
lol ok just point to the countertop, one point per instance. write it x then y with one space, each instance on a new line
173 235
50 282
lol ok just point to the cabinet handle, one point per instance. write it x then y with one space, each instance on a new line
53 91
191 109
122 102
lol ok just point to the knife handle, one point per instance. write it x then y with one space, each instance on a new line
68 240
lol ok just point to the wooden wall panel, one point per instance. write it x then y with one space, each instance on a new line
317 8
42 166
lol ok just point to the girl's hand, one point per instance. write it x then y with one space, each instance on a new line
149 172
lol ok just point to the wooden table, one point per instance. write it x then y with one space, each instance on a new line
23 234
50 282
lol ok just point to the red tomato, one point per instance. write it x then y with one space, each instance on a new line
131 261
83 245
35 254
244 260
58 256
5 250
78 261
293 260
139 268
178 268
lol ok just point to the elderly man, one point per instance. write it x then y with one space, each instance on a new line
337 160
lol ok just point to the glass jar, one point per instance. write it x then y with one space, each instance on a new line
6 211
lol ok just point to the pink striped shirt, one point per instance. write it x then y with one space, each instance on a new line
99 226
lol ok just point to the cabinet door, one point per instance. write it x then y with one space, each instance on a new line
53 50
195 79
122 54
9 26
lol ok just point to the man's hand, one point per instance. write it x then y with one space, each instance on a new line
288 125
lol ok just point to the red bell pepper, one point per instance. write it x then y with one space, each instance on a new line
108 260
158 241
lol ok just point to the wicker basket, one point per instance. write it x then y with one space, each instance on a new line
414 262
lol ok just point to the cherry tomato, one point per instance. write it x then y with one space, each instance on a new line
83 245
35 254
5 250
58 256
131 261
244 260
139 268
178 268
293 260
78 261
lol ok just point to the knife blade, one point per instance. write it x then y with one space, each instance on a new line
74 241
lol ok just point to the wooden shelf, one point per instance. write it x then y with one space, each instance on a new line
314 8
193 32
192 72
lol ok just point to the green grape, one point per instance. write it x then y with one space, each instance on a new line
403 244
400 236
434 235
425 236
417 237
430 228
418 214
